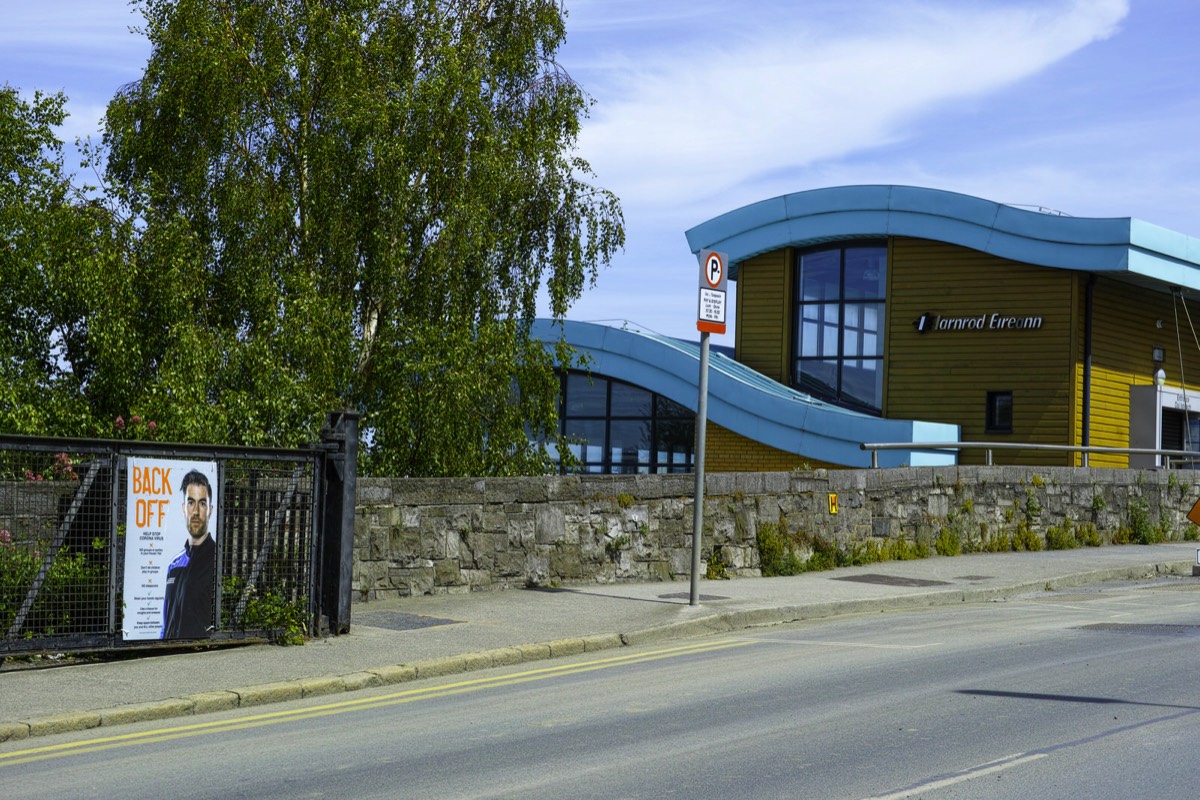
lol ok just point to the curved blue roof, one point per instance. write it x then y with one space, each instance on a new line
744 401
1137 250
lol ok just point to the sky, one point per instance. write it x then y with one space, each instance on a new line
1085 107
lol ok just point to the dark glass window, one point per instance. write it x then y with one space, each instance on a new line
839 325
616 427
999 412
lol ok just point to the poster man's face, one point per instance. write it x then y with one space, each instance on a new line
196 510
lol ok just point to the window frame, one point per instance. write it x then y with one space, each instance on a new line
660 411
994 416
839 359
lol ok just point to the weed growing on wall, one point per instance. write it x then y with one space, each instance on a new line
779 551
614 546
948 542
1026 538
1061 537
715 567
1141 530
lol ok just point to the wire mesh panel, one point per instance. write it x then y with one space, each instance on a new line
68 547
268 543
56 544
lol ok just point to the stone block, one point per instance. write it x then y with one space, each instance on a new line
549 525
263 693
208 702
144 712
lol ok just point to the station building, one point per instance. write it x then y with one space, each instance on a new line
909 316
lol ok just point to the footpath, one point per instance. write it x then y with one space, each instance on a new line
405 639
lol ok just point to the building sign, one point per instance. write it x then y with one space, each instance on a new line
996 321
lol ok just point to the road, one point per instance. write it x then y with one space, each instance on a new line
1091 694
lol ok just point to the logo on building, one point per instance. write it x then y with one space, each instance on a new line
996 321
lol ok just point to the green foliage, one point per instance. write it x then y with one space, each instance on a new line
777 550
614 546
1098 502
74 588
873 551
715 567
1033 506
363 218
624 500
1025 538
1088 536
948 542
56 250
284 621
1062 537
1141 529
780 551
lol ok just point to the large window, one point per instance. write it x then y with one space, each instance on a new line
615 427
840 300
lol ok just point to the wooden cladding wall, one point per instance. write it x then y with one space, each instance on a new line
945 375
764 311
1125 332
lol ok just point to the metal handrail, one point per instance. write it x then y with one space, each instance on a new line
1186 456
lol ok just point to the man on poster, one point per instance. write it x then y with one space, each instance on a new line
191 575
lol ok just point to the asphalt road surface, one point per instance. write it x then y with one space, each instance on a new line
1091 694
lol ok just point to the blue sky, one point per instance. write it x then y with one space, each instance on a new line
1088 107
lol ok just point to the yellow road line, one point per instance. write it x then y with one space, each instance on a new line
356 704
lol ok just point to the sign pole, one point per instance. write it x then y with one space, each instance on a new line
698 506
710 318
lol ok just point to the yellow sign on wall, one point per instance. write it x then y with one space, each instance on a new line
833 508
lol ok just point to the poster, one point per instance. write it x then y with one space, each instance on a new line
170 549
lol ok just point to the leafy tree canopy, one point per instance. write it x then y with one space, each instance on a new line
337 204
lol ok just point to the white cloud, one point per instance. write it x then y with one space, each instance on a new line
703 115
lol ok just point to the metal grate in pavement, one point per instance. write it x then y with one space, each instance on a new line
399 621
892 580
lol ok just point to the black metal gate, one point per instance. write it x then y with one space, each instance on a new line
63 543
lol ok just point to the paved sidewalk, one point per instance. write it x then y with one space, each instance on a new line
410 638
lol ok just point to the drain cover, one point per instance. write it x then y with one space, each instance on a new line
892 580
1140 629
399 621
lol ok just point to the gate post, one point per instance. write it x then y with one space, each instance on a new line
337 529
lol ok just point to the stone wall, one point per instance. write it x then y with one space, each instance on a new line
429 536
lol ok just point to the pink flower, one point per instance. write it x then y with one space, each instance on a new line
28 474
5 537
152 425
120 423
135 419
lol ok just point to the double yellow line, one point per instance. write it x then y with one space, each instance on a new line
375 701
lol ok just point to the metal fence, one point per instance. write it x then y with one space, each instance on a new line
64 543
1167 459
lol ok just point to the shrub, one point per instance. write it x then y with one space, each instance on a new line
1025 538
776 551
1061 537
1088 535
948 543
715 567
1141 530
71 596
